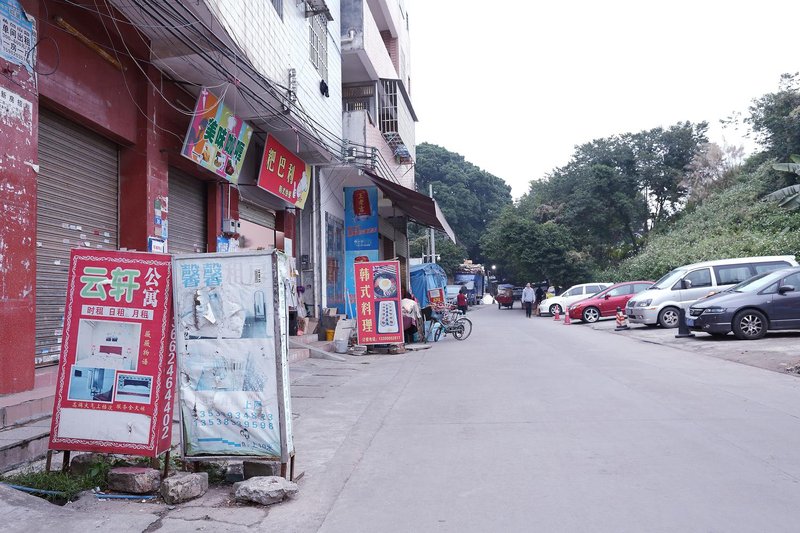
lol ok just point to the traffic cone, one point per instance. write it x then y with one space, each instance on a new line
556 315
622 320
566 318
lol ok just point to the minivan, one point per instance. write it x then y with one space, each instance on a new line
660 304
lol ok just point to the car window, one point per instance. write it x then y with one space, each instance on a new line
732 274
573 291
593 289
699 278
793 280
769 266
639 287
621 291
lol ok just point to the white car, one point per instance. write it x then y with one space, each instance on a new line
569 297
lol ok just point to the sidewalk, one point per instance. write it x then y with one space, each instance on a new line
329 399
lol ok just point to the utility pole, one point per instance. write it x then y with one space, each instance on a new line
433 232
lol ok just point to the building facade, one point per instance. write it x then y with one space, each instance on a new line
98 101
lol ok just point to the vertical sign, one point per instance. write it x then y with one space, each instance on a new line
232 332
361 235
284 174
16 34
117 372
217 139
378 302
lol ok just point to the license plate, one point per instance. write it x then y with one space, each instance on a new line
690 322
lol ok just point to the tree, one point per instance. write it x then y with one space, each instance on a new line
775 119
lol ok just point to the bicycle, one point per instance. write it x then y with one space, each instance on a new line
452 321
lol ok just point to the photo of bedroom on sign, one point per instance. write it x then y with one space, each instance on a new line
91 384
108 344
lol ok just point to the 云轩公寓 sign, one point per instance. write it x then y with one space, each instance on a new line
117 371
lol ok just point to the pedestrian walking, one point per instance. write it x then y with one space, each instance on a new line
528 296
461 300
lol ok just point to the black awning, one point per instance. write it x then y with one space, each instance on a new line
420 208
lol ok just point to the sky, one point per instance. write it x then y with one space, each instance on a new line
515 86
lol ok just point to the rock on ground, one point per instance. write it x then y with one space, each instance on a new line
134 479
265 490
184 487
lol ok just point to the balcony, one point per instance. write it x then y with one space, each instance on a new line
364 53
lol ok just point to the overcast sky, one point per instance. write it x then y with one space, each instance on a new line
514 86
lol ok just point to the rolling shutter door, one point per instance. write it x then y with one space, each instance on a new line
187 220
76 206
256 214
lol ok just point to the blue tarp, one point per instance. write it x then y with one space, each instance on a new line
425 277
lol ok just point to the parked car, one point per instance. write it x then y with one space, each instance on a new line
768 301
605 302
569 297
684 285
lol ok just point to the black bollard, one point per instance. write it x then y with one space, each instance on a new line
683 329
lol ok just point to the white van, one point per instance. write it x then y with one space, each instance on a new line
683 286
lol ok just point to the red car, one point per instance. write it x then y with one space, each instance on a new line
605 302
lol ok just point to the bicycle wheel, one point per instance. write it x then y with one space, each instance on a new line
437 333
463 328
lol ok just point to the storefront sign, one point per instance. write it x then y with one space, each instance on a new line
117 372
378 318
217 139
436 297
232 324
361 235
284 174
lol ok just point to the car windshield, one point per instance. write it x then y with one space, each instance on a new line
668 280
757 282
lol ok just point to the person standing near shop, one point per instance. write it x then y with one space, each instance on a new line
528 297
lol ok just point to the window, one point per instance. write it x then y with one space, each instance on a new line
621 291
639 287
699 278
593 289
573 292
732 274
793 280
769 267
318 31
278 5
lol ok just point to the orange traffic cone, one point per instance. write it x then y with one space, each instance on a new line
567 321
556 315
622 320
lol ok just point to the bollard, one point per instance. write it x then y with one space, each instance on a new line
683 329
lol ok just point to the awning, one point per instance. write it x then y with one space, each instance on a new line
420 208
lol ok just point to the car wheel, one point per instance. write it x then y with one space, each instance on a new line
749 325
668 317
591 314
555 308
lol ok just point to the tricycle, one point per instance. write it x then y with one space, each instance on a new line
505 297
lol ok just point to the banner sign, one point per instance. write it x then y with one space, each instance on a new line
378 318
217 139
117 372
361 235
284 174
436 297
232 329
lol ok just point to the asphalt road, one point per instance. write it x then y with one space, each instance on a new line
528 425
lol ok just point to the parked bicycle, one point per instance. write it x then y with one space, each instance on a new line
451 321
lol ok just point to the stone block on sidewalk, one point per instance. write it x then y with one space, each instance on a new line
134 479
261 469
264 490
184 486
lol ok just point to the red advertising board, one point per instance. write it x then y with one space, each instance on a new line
436 297
284 174
378 318
117 372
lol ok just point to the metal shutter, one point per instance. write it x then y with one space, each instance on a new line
187 220
255 214
76 206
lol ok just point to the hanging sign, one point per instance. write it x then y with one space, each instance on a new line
117 371
284 174
378 319
217 139
17 34
232 324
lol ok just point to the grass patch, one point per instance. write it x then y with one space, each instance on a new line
69 485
